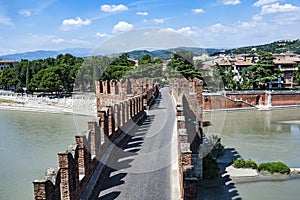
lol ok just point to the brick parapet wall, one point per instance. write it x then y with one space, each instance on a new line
189 105
250 99
117 108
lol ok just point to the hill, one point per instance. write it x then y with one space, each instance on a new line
41 54
167 54
280 46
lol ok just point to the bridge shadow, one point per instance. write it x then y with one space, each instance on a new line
108 186
223 187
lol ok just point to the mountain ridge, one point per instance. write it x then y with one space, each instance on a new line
279 46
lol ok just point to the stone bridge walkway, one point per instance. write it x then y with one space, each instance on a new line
141 168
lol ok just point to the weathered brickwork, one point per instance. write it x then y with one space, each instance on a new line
118 103
189 111
250 99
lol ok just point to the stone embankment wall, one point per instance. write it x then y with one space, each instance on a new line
118 105
188 99
250 99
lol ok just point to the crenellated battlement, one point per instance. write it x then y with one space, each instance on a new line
188 100
119 105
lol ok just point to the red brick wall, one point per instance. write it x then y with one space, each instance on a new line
212 102
285 100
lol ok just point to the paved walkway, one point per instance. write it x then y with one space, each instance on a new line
141 169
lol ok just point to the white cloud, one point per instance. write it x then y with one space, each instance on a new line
217 28
80 42
158 21
257 18
198 11
113 8
122 26
277 8
187 31
264 2
25 13
231 2
7 51
57 40
69 24
142 13
287 19
101 35
6 21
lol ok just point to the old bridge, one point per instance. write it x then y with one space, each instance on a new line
142 147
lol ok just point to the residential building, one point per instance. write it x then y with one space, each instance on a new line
4 64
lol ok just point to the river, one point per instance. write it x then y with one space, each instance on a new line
263 136
29 145
30 142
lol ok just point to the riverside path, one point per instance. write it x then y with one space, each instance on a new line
141 168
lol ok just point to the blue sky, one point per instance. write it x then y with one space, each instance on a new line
29 25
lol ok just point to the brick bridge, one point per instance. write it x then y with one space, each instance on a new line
145 145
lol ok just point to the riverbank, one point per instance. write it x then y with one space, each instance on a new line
78 106
246 175
227 184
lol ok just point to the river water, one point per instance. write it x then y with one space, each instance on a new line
28 146
30 142
263 136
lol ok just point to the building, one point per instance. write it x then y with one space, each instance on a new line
4 64
287 65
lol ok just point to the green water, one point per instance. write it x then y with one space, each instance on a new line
30 142
261 136
29 145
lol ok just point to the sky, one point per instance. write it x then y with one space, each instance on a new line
30 25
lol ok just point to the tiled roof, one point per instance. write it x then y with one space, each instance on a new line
286 60
8 61
236 62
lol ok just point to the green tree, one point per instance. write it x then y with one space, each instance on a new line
245 81
297 75
7 78
182 62
145 59
47 80
263 71
123 60
229 79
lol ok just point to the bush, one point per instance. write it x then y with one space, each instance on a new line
218 150
250 164
274 167
210 167
239 163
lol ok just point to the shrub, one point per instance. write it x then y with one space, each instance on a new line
274 167
250 164
218 150
239 163
210 167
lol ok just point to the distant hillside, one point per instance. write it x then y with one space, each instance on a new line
35 55
167 54
83 52
274 47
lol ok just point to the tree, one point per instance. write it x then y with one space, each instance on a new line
182 62
229 79
123 60
118 68
245 81
7 78
297 76
47 80
214 81
263 71
145 59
